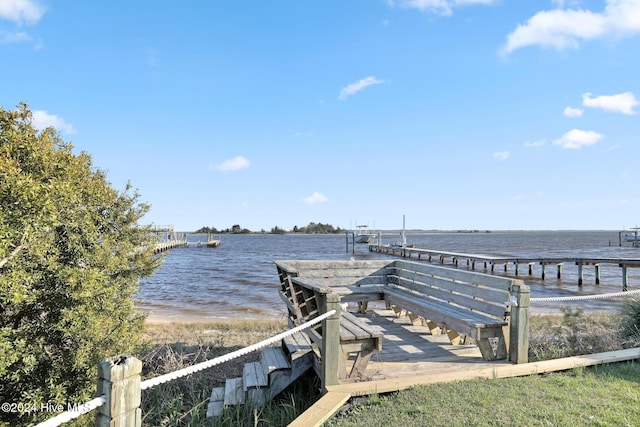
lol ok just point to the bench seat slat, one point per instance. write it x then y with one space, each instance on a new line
356 328
456 318
459 296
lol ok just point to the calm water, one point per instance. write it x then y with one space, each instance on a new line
239 280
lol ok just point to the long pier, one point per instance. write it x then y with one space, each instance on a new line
488 261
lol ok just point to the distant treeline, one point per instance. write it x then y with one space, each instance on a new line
311 228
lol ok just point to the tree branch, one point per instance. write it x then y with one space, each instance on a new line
12 255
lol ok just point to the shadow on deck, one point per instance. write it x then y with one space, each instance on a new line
410 349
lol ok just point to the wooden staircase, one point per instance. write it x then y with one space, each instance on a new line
261 381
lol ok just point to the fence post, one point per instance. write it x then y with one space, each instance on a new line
119 382
519 325
331 341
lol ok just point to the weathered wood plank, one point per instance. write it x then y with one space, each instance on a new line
490 372
273 358
322 410
216 402
458 293
254 376
460 320
234 392
297 345
456 274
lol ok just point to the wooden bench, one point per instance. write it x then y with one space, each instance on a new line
305 299
467 305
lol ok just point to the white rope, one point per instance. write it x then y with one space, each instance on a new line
67 416
586 297
152 382
99 401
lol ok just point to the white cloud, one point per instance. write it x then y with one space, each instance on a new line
356 87
21 11
501 155
440 7
235 164
573 112
576 139
620 103
7 37
565 28
532 144
315 198
42 120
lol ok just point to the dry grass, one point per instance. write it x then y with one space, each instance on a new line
572 333
172 346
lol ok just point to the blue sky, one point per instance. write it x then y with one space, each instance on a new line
459 114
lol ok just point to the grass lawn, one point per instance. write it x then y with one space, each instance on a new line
607 395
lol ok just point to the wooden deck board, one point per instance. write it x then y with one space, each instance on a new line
322 410
409 349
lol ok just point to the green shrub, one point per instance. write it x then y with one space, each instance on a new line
71 256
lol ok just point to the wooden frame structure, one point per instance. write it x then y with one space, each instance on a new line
491 310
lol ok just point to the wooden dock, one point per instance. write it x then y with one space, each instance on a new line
489 262
169 239
169 244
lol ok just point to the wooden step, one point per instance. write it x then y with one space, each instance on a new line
273 359
255 384
254 376
297 345
234 392
216 402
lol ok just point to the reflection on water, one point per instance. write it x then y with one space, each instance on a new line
239 280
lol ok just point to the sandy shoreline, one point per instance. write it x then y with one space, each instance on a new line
191 318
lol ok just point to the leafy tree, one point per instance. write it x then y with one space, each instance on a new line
319 228
207 230
71 256
277 230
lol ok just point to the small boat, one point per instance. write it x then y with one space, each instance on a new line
363 235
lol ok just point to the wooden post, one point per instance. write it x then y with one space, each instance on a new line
559 271
625 278
543 268
331 341
519 325
119 382
579 274
597 274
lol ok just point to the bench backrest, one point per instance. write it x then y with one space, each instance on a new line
474 291
338 273
302 280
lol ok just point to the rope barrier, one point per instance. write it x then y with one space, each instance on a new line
586 297
144 385
216 361
65 417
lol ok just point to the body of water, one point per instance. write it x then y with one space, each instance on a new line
239 279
